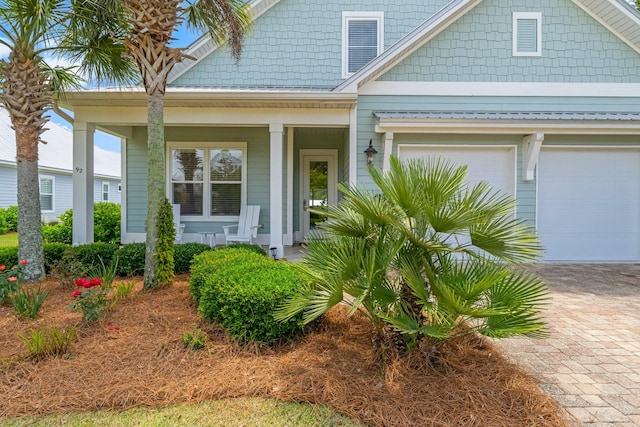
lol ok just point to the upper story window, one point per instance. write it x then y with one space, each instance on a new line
208 181
47 184
527 34
362 39
105 191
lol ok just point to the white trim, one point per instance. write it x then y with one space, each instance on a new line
83 177
537 16
511 89
123 195
359 16
53 193
290 154
329 153
206 146
531 145
353 146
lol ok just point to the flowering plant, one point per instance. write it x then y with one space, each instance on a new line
90 298
10 279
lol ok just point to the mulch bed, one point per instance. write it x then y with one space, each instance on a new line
135 357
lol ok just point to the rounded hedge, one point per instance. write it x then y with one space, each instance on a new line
131 259
184 253
240 290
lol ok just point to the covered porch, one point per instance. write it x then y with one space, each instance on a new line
274 138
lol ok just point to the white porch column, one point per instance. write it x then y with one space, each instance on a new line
276 182
388 149
82 182
289 234
353 146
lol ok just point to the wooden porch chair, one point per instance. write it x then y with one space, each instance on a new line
177 224
247 228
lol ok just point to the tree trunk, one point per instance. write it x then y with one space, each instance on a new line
29 225
155 181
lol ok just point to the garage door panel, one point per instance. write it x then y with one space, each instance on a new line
589 204
496 165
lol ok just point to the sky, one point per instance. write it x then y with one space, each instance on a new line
101 139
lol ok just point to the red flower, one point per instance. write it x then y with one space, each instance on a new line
2 267
82 282
95 282
77 293
12 279
23 262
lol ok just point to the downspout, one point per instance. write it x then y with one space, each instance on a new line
61 113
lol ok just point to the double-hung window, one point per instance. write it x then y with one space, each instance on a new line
47 191
527 34
208 181
362 39
105 191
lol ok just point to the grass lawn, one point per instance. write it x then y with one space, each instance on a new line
246 412
9 239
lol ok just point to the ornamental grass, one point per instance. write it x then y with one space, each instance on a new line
135 356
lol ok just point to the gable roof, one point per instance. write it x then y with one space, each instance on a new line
205 45
57 154
617 16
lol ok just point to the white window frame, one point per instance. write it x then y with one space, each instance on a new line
53 192
207 146
359 16
527 15
107 185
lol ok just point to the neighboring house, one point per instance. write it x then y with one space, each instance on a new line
539 97
55 166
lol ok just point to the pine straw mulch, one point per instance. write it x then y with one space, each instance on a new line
135 357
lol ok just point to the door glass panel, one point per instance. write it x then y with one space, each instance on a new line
318 190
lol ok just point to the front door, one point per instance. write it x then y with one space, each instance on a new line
319 182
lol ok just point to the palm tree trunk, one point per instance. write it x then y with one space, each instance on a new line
155 181
29 226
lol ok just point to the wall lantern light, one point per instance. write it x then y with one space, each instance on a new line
371 153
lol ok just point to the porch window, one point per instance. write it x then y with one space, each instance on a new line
362 39
46 193
209 182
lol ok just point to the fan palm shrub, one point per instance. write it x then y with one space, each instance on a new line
426 257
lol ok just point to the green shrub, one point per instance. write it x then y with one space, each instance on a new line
4 229
53 253
28 301
92 255
11 218
106 225
56 233
106 222
48 343
241 291
194 338
66 270
131 259
184 254
8 255
253 248
164 249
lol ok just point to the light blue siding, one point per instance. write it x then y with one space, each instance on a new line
8 186
478 48
114 195
257 140
298 43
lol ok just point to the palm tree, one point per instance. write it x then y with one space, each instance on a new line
31 29
151 26
425 257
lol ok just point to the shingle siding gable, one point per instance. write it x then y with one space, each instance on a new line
298 43
478 47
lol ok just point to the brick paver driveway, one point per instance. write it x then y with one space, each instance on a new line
591 362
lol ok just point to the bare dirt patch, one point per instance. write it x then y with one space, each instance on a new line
135 357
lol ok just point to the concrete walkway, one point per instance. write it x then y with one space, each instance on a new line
591 362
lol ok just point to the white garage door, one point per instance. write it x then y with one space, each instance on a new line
589 204
496 165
